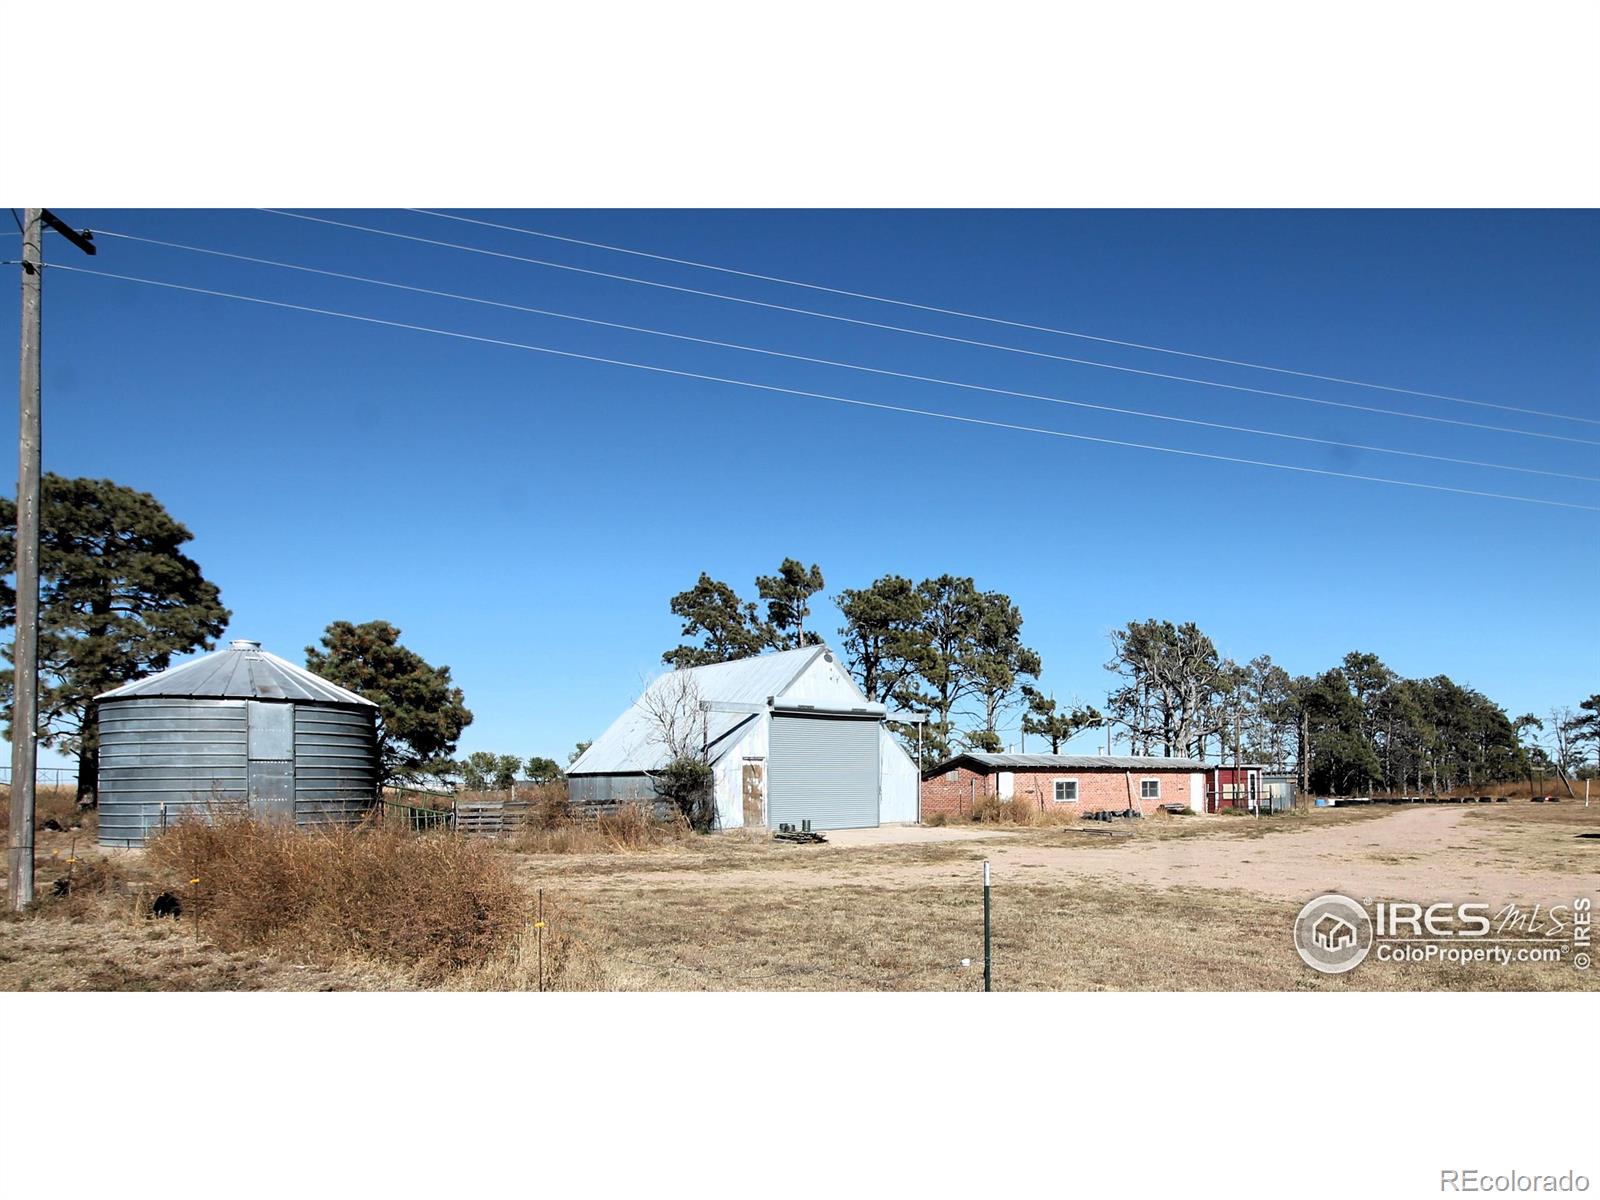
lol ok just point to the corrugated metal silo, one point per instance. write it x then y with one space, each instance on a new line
239 726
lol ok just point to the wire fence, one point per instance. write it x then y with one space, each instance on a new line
45 777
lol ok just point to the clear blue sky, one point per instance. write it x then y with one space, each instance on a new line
524 519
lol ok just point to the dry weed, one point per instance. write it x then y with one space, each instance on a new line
434 904
557 828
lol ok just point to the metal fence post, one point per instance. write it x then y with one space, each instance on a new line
988 960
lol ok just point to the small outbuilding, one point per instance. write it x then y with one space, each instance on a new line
1066 782
242 727
789 736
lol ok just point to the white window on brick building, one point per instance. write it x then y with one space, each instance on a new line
1066 791
1149 789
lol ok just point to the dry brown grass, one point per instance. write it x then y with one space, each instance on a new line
738 911
1545 837
1521 789
1024 815
1092 936
118 954
555 827
433 904
1019 811
57 804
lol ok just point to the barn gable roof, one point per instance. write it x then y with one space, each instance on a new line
631 744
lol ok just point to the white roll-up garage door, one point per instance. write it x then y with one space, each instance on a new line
823 769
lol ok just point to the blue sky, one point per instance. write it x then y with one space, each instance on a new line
524 519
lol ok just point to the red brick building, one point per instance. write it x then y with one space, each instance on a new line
1071 782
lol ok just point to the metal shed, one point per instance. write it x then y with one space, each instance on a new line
239 726
789 738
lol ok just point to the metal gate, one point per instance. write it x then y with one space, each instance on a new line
823 769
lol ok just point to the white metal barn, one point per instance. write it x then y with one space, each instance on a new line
789 736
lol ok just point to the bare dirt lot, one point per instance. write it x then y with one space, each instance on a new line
1165 903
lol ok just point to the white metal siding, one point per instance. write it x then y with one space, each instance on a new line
823 770
823 681
729 771
897 775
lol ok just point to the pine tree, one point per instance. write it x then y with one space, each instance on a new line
420 713
118 600
788 596
728 628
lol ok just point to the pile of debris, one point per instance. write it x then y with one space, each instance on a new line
801 836
1125 814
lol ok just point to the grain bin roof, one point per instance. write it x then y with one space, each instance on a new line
631 745
244 671
1072 762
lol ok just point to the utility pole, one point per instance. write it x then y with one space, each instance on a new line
25 650
1238 767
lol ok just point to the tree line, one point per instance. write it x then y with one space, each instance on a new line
947 648
120 599
1358 726
941 646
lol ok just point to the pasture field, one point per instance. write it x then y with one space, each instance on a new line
1167 903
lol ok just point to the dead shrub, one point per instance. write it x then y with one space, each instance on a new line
83 887
991 810
551 807
637 827
434 904
567 957
1024 811
557 827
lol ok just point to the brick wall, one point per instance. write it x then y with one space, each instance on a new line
953 792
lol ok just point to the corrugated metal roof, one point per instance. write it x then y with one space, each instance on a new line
1078 762
631 745
244 671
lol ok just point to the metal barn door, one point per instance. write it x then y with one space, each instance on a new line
823 769
272 761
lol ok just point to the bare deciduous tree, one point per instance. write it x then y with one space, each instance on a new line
680 726
678 723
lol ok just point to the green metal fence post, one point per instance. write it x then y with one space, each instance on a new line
988 961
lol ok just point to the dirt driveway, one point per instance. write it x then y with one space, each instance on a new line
1427 854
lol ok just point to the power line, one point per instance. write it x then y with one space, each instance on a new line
827 362
952 312
943 337
857 403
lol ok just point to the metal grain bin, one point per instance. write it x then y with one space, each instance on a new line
238 727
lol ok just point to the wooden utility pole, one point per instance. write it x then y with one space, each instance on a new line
25 650
1238 767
